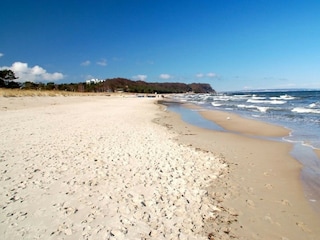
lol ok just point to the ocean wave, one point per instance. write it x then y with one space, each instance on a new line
315 105
216 104
261 109
207 98
266 101
222 98
239 98
256 101
312 105
308 144
283 97
242 96
277 102
287 97
255 97
305 110
291 139
298 111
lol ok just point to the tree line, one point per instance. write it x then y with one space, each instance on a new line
7 80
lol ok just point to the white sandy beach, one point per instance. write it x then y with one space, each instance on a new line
119 167
100 168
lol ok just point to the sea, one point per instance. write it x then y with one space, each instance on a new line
298 110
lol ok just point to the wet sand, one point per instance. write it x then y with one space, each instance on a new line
317 151
263 187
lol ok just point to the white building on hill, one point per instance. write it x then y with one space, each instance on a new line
93 81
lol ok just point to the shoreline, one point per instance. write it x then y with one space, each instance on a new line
263 185
123 167
226 121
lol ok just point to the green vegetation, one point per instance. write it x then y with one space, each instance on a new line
7 78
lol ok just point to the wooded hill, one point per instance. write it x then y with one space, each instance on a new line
126 85
108 85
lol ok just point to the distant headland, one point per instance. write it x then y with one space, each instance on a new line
107 85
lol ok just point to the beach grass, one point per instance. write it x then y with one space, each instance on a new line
4 92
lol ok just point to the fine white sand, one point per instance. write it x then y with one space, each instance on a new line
100 168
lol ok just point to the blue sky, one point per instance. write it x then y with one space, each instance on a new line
233 45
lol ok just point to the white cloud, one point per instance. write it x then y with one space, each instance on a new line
36 70
199 75
164 76
1 54
85 63
140 77
33 74
211 74
102 62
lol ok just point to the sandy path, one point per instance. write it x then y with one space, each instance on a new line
99 168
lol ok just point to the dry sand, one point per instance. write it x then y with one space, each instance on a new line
101 168
263 188
317 151
107 168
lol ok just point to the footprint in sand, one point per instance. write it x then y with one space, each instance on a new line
268 219
251 164
284 238
250 190
266 174
285 202
250 203
268 186
303 227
